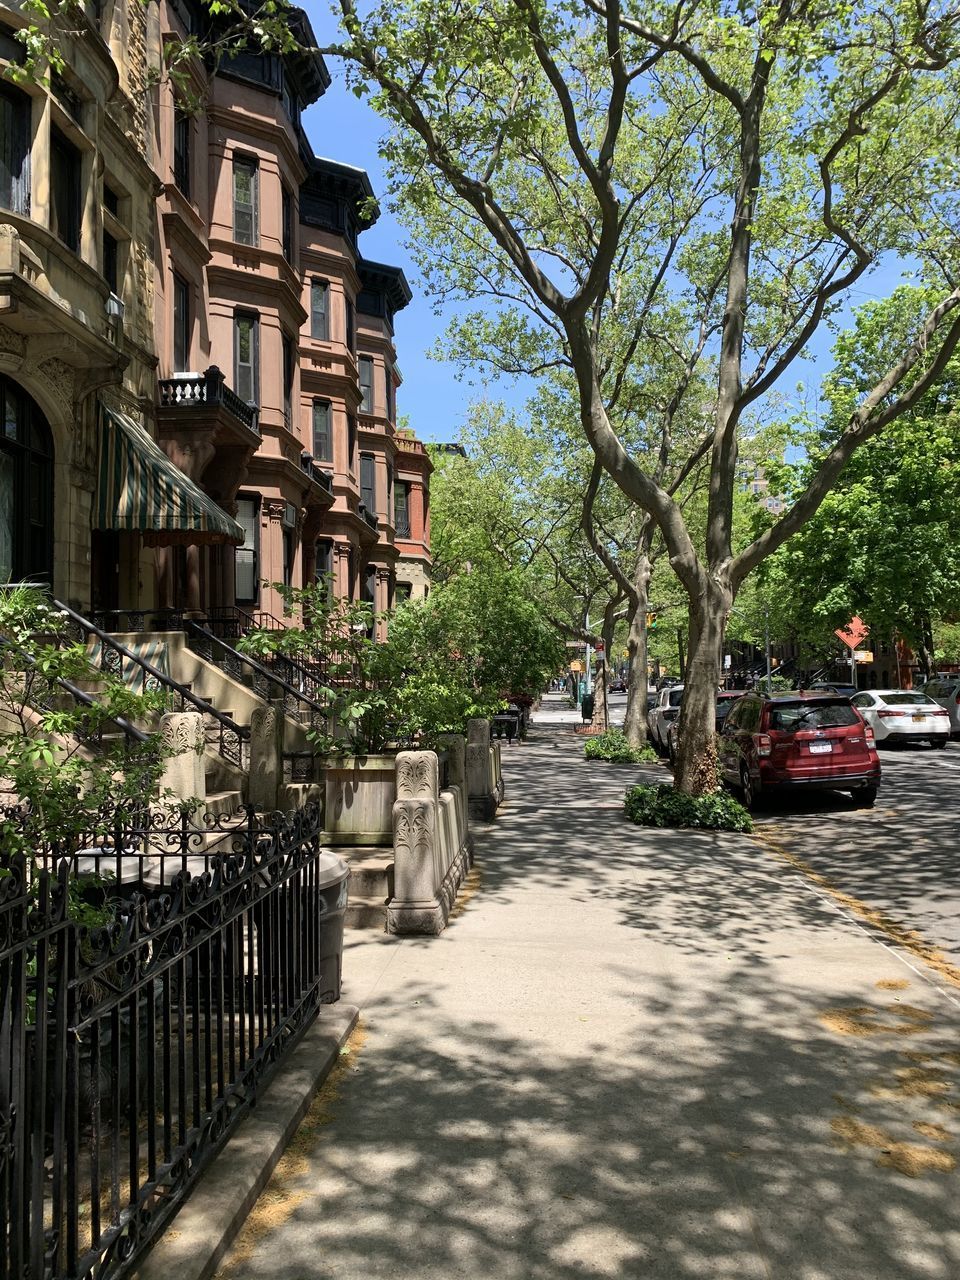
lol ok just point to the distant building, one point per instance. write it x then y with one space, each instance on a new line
752 477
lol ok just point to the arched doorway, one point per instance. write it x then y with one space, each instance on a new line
26 487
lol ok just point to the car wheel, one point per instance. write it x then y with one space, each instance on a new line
746 788
671 753
939 743
864 797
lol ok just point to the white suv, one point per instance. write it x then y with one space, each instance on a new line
664 710
945 690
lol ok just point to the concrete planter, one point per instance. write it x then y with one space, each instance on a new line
359 792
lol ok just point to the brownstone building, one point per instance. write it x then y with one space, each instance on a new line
197 370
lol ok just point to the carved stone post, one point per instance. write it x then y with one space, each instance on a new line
483 792
416 907
183 738
266 757
455 745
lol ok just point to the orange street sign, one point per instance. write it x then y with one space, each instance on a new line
854 633
576 666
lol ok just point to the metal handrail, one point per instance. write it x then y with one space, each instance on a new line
79 695
242 621
291 693
240 732
263 621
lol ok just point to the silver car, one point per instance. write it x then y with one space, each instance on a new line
945 691
664 711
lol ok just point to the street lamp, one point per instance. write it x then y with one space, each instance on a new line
588 682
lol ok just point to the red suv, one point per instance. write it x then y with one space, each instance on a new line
798 740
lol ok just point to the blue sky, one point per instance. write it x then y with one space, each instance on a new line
342 127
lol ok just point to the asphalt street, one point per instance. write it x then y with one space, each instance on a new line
901 858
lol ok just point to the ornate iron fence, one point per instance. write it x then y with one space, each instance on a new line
130 1047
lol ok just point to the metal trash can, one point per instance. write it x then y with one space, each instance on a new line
333 879
586 707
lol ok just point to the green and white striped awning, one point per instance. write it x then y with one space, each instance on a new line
139 490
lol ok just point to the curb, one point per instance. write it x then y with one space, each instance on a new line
195 1241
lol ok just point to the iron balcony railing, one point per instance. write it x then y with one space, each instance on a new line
316 472
208 388
230 738
130 1051
371 517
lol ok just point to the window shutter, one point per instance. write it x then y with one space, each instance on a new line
322 442
319 327
368 493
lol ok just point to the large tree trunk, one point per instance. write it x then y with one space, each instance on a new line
635 719
696 770
925 656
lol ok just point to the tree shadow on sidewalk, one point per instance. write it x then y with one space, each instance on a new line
727 1134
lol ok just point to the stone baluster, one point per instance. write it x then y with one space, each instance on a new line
416 906
455 745
484 782
266 757
183 737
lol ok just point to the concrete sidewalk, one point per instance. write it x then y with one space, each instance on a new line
633 1053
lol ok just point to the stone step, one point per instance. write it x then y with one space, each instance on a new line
371 884
220 803
365 913
371 870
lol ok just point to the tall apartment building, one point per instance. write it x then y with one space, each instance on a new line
77 195
197 370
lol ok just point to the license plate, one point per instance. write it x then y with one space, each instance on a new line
919 716
819 748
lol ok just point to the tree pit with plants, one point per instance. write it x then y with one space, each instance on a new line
612 746
664 806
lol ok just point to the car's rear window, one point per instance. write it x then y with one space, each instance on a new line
907 699
788 717
676 697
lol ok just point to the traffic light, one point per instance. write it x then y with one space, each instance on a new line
651 621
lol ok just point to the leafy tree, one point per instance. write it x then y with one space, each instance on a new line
476 641
62 784
885 543
765 155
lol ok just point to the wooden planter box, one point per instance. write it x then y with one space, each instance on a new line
359 792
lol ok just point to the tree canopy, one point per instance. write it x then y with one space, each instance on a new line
755 160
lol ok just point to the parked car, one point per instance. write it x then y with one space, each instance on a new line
945 691
664 710
725 700
832 686
617 686
800 740
904 715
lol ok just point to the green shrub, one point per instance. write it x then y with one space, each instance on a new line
664 806
613 746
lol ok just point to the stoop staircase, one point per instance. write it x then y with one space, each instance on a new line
371 884
151 648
